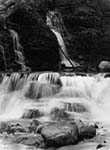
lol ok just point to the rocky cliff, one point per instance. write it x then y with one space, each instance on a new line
88 22
40 46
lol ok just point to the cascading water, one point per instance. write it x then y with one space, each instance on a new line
85 97
3 55
63 51
18 50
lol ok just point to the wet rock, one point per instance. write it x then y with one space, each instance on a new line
32 113
29 139
11 128
51 148
3 127
87 132
104 66
35 126
96 126
50 78
100 146
76 107
59 134
16 128
59 114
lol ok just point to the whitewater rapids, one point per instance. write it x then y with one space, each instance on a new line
84 97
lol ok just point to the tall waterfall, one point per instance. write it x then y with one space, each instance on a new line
84 97
18 49
63 51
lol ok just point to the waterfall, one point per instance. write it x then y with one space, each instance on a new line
18 50
63 51
3 55
83 97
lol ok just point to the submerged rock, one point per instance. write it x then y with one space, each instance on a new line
76 107
32 113
81 146
59 134
59 114
29 139
37 90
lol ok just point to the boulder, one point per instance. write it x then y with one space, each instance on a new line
35 126
59 134
87 132
12 129
29 139
104 66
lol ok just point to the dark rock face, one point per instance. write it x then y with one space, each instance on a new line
88 21
59 134
40 45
